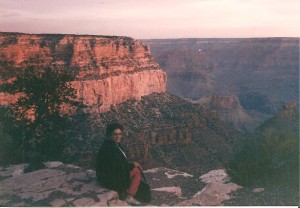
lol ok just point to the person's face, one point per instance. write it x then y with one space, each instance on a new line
116 135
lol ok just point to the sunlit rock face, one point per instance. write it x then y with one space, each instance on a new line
99 95
109 69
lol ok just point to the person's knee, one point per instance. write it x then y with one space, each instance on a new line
135 172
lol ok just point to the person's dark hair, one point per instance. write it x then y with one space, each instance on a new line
111 127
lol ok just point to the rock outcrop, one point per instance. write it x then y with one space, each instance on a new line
289 110
216 191
109 70
285 121
229 109
57 185
61 184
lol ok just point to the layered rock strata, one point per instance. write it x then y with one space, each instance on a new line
99 95
109 70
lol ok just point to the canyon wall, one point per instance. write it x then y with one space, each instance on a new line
99 95
262 72
109 69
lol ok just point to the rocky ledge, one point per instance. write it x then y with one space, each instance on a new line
61 184
56 185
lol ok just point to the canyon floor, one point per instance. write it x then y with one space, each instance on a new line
61 184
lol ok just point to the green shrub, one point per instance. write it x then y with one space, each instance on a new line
270 157
10 139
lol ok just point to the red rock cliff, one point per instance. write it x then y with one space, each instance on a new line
111 69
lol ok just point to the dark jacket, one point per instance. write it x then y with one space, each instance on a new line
112 167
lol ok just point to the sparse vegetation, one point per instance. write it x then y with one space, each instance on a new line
7 70
51 40
93 42
145 47
117 45
9 40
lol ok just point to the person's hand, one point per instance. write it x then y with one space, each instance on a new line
137 165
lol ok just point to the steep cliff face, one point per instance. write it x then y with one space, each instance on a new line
109 70
99 95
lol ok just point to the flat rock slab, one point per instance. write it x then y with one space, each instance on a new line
215 192
162 179
56 185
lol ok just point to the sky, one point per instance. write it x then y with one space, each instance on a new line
154 19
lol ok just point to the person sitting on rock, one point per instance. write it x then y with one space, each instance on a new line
113 170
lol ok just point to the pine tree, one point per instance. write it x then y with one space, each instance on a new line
37 111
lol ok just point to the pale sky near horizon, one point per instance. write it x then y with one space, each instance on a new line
154 18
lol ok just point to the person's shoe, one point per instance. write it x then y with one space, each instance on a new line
132 201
